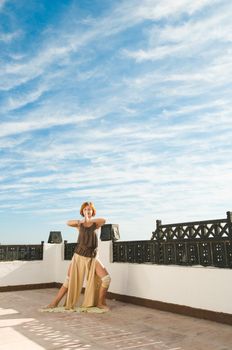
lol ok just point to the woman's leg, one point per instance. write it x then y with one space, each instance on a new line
62 291
105 277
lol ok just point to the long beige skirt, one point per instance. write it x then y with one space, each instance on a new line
82 268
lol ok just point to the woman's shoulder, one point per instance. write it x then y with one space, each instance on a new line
100 222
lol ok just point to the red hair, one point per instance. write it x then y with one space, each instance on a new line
90 204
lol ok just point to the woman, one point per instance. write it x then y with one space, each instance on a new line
85 264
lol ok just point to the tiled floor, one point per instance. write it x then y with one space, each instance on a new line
126 326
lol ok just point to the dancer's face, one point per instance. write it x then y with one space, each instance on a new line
88 211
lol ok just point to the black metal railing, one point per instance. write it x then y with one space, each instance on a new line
21 252
136 252
207 243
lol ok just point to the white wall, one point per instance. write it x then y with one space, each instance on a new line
200 287
206 288
31 272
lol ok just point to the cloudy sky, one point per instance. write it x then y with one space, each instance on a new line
126 103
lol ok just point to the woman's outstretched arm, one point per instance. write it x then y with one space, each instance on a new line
73 223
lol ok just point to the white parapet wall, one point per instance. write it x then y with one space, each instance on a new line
198 287
207 288
13 273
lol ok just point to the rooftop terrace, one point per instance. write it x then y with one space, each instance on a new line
185 268
125 326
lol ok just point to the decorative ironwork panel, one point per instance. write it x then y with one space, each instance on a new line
205 253
175 253
135 252
181 253
130 252
151 252
169 253
69 250
215 229
206 243
193 253
229 253
201 230
120 252
21 252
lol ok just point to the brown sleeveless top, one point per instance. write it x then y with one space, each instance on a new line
87 241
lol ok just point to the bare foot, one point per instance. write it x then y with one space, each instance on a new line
51 306
103 306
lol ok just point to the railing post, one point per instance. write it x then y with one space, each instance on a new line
42 250
156 234
158 224
65 249
229 219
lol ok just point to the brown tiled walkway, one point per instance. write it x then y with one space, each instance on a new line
126 326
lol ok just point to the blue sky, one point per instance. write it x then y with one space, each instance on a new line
123 103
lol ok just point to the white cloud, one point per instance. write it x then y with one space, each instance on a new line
144 141
122 17
187 38
2 3
8 37
24 99
44 122
190 81
155 10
